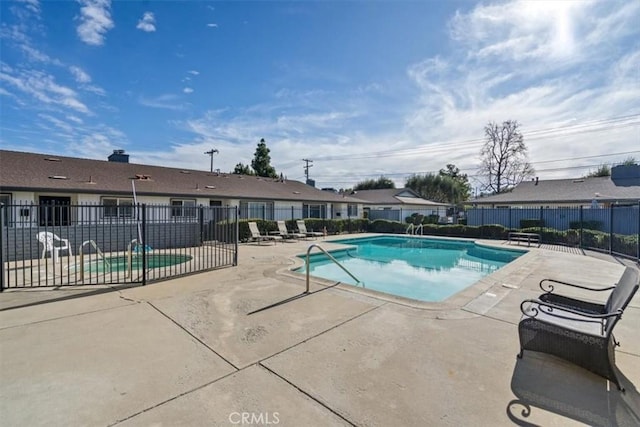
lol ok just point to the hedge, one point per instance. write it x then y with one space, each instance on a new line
622 244
531 222
591 225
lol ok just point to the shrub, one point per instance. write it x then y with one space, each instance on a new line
430 219
415 219
493 231
386 226
264 226
590 225
531 222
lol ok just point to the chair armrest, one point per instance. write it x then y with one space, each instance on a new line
548 308
550 288
573 303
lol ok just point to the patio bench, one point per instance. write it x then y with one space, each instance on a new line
524 237
578 331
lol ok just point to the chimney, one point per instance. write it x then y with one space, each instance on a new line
118 156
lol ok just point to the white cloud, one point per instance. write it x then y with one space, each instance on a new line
166 101
193 72
79 74
212 25
187 90
32 5
521 29
61 124
36 55
95 21
77 120
43 87
147 22
97 90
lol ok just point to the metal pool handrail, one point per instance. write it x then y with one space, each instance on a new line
98 251
315 245
413 229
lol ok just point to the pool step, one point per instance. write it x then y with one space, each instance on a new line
485 302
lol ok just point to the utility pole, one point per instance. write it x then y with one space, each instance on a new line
211 153
306 167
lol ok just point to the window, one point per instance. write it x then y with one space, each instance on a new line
314 211
115 207
5 200
183 208
256 210
54 211
352 210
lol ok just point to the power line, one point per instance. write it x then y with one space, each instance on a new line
556 169
604 125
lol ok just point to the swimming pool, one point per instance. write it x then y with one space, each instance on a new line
119 263
412 267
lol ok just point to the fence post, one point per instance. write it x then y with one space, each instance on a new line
510 225
144 244
540 220
481 222
237 236
638 239
610 229
2 210
201 221
581 218
292 217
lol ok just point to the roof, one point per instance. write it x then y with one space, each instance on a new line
565 191
393 196
22 171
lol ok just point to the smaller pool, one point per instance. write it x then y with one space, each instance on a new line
119 263
418 268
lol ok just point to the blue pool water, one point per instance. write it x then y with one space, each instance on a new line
411 267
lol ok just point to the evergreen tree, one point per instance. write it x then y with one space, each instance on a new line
375 184
242 169
261 163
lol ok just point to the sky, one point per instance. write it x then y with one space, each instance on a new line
362 88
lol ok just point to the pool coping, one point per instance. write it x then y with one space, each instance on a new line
500 281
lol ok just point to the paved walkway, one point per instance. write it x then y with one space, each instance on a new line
207 350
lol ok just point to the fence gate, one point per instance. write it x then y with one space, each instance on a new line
65 245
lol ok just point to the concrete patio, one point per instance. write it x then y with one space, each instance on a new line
244 346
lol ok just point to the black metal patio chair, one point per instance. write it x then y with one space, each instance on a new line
578 331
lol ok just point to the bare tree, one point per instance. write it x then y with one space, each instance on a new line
504 157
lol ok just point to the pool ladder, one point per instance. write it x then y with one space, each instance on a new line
98 251
332 259
413 229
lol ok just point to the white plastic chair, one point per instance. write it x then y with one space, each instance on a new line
48 240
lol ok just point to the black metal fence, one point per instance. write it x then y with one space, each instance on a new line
613 229
61 245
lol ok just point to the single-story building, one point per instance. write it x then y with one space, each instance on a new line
397 204
621 188
53 181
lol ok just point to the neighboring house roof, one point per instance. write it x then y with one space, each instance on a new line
582 190
393 196
21 171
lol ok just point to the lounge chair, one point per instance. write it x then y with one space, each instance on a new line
578 331
53 244
302 228
257 237
286 234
